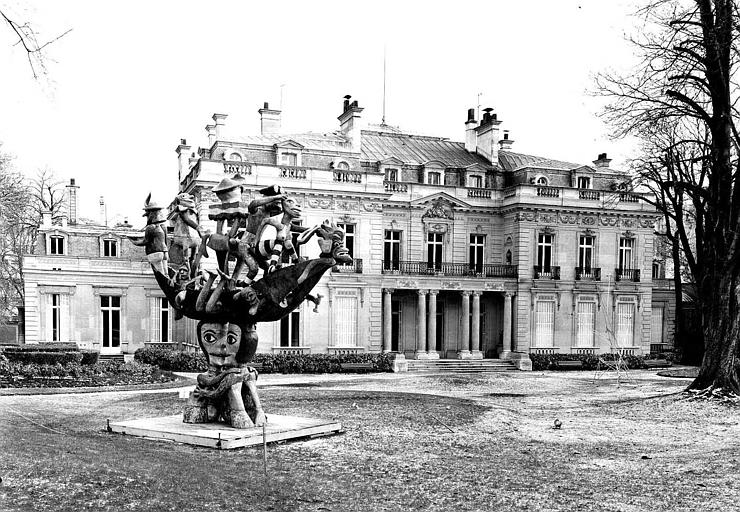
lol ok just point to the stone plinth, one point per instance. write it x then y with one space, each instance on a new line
221 436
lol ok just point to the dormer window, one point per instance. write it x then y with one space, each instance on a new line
584 182
289 159
475 181
56 244
110 248
391 174
542 181
434 178
342 166
233 156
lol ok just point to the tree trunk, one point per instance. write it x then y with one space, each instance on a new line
719 369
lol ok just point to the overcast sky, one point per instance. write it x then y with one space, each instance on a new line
133 78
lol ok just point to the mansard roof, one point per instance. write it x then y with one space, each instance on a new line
309 140
414 149
509 161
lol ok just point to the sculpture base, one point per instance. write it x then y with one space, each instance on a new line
224 437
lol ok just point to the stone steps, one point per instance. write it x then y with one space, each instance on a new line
461 366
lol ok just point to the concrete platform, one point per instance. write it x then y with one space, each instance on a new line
223 437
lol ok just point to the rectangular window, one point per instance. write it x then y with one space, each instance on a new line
434 250
160 320
625 253
544 251
584 182
544 326
289 159
110 307
346 320
349 237
110 248
625 323
290 329
585 252
433 178
475 260
585 323
392 250
56 317
56 245
391 175
656 331
475 182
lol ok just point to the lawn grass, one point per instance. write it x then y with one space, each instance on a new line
415 442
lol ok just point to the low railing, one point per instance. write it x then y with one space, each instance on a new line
548 192
339 351
291 350
448 269
510 192
588 274
347 177
479 192
543 350
627 274
551 272
394 186
237 168
350 268
628 198
293 173
583 350
589 195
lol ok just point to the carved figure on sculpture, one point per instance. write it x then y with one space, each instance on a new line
229 305
154 240
187 233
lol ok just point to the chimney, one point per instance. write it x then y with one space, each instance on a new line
103 212
350 123
46 219
72 203
506 142
211 131
470 126
602 162
486 136
183 166
269 120
219 120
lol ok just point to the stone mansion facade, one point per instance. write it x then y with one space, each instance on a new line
461 249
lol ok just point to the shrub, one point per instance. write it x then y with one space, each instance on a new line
89 356
104 373
44 358
590 362
174 360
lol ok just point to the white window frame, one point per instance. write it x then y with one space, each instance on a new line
110 310
52 240
436 242
392 174
584 180
350 230
389 242
345 307
543 336
55 317
475 181
543 244
292 325
624 331
477 249
586 251
626 253
110 242
434 178
585 337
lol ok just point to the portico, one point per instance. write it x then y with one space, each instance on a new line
429 323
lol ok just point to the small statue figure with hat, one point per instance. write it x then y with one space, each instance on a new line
154 240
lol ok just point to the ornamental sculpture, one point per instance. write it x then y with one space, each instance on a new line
229 304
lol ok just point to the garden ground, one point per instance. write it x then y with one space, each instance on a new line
411 442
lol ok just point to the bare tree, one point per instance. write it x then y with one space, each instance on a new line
685 80
21 205
28 38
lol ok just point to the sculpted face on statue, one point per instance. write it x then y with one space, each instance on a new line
221 343
291 208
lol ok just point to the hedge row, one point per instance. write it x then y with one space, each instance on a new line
42 347
86 357
175 360
590 361
106 373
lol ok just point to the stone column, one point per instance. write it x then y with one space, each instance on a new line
464 352
387 320
507 348
421 325
432 326
475 352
